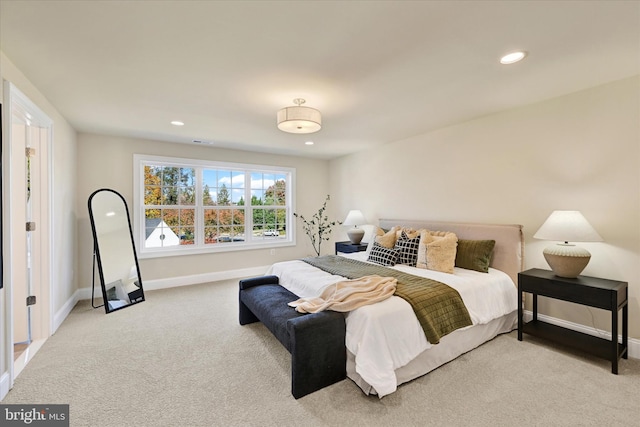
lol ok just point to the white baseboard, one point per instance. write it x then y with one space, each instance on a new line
62 314
85 293
173 282
5 385
633 344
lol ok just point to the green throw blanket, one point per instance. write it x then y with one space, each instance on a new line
438 307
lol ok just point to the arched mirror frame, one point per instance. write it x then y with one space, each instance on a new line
98 256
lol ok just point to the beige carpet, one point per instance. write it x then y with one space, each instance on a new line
181 359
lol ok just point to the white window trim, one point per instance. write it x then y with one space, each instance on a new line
138 208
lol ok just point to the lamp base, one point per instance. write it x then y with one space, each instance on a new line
355 235
566 260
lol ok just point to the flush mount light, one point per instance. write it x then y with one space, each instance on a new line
513 57
308 143
299 119
177 123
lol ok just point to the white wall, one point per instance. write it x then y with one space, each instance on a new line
580 151
63 206
107 162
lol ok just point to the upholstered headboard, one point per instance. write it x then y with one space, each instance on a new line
508 254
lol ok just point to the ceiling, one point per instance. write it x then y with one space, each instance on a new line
378 71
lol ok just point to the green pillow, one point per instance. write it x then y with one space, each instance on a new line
475 254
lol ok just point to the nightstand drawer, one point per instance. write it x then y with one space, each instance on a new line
348 248
590 291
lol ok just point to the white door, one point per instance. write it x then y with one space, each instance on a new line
21 283
29 277
26 294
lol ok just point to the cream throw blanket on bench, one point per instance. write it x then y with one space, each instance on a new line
348 295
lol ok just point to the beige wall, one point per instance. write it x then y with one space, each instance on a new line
107 162
580 151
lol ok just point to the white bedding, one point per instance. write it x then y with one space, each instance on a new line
387 335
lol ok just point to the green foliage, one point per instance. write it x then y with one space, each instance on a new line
206 196
319 227
276 194
223 196
170 196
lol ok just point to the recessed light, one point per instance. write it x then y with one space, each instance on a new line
177 123
513 57
308 143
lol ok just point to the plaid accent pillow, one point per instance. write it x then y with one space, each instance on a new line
407 249
383 256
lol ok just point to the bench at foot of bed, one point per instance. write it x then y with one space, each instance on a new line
316 341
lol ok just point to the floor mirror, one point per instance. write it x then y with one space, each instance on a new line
114 251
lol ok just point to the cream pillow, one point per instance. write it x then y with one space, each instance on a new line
388 239
411 233
437 251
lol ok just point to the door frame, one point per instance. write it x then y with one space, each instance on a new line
15 99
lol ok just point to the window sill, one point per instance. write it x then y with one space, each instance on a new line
217 248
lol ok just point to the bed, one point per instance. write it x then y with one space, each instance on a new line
386 345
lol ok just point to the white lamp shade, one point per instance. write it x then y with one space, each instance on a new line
567 226
565 259
354 218
299 120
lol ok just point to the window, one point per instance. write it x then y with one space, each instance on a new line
185 206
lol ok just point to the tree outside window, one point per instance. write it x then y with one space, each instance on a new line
204 204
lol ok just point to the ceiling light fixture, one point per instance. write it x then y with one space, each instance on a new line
513 57
308 143
177 123
299 119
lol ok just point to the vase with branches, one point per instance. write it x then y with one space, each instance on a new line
319 227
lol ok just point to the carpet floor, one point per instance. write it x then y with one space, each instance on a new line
181 359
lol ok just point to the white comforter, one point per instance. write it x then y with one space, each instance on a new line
387 335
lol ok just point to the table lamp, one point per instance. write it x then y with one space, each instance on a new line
566 259
355 218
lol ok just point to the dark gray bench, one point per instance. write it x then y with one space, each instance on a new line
316 341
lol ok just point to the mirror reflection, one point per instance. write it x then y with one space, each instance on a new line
114 250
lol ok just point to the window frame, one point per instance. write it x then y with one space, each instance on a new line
142 160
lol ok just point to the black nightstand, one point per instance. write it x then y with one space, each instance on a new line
347 247
606 294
